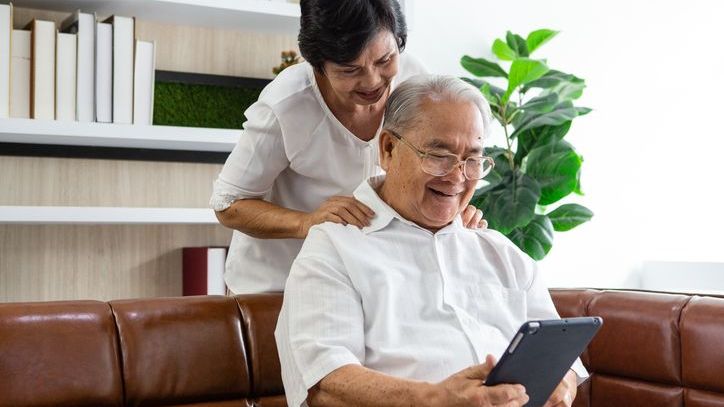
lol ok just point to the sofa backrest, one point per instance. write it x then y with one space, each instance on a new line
654 349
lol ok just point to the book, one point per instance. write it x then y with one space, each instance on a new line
143 81
42 69
123 37
203 270
20 75
6 31
104 73
65 65
83 25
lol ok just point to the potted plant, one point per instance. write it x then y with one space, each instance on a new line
537 167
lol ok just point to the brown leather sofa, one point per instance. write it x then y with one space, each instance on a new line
653 350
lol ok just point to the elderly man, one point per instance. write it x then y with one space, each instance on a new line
404 311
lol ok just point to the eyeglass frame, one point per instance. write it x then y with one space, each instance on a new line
460 163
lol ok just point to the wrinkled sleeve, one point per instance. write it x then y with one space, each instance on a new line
540 306
256 161
320 327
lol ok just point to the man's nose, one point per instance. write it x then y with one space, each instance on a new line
457 174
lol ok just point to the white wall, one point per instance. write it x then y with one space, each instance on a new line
653 169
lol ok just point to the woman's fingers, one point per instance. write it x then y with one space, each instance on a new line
473 218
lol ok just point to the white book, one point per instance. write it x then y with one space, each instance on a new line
6 30
83 25
65 60
42 85
20 75
104 73
123 37
143 82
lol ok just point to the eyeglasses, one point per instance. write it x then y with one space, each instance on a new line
439 165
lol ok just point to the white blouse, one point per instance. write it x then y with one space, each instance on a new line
294 153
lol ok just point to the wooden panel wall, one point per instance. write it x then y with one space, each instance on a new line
105 262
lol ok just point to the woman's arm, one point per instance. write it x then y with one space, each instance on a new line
265 220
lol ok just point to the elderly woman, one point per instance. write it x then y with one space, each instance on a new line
310 139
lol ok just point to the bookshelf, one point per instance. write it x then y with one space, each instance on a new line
248 15
79 215
112 227
69 133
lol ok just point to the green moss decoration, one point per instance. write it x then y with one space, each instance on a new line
180 104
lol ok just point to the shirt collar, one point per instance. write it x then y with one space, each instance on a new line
384 214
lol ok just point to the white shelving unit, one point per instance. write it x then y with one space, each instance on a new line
45 215
116 135
245 15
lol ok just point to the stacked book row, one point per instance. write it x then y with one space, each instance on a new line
84 70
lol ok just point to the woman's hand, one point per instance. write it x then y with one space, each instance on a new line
339 209
473 218
565 393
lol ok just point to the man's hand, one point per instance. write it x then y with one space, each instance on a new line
466 388
473 218
565 393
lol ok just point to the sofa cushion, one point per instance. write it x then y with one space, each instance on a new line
181 350
259 314
639 337
59 354
702 355
622 392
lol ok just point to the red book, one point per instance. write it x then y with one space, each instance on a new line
203 270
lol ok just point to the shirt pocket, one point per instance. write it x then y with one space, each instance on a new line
498 306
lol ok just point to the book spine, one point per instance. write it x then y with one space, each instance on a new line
123 37
6 31
143 81
20 75
65 76
85 79
203 271
104 73
43 70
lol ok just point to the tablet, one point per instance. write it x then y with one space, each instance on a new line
541 353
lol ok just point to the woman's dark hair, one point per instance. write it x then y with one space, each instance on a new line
338 30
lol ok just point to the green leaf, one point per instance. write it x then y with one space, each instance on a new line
517 44
499 171
482 67
479 83
511 203
556 167
566 86
541 104
539 37
535 238
568 216
560 114
522 71
503 51
583 110
539 136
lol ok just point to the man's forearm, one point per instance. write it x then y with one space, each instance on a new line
262 219
358 386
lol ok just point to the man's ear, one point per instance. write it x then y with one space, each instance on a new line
387 144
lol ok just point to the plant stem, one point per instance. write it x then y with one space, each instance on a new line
507 139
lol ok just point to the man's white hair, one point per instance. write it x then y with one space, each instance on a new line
403 106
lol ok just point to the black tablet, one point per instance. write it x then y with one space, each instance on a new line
541 353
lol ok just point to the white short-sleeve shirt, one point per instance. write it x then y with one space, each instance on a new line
294 153
401 300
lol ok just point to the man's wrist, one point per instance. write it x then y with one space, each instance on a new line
426 394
